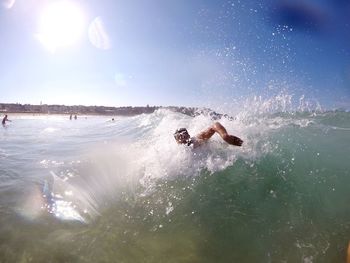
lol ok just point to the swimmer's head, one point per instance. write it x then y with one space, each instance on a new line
181 135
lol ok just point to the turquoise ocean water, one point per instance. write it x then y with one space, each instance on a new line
94 190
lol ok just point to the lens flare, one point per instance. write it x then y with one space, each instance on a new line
8 4
120 80
98 35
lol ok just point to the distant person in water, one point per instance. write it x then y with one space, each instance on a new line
4 120
70 117
182 137
75 117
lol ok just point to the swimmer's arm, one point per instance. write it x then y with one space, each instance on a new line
217 127
205 135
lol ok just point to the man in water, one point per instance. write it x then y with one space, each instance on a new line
4 120
182 137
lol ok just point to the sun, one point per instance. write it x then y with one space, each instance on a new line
61 24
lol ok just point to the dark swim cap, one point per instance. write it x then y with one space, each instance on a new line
179 132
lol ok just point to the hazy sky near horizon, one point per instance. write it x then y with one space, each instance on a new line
174 52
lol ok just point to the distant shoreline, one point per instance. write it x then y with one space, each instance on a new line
16 108
76 109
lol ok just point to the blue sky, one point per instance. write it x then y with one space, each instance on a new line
167 52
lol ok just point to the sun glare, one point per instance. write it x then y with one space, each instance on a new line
61 24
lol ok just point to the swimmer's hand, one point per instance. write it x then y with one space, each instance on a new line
233 140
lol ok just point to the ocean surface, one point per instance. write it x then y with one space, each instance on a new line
97 190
